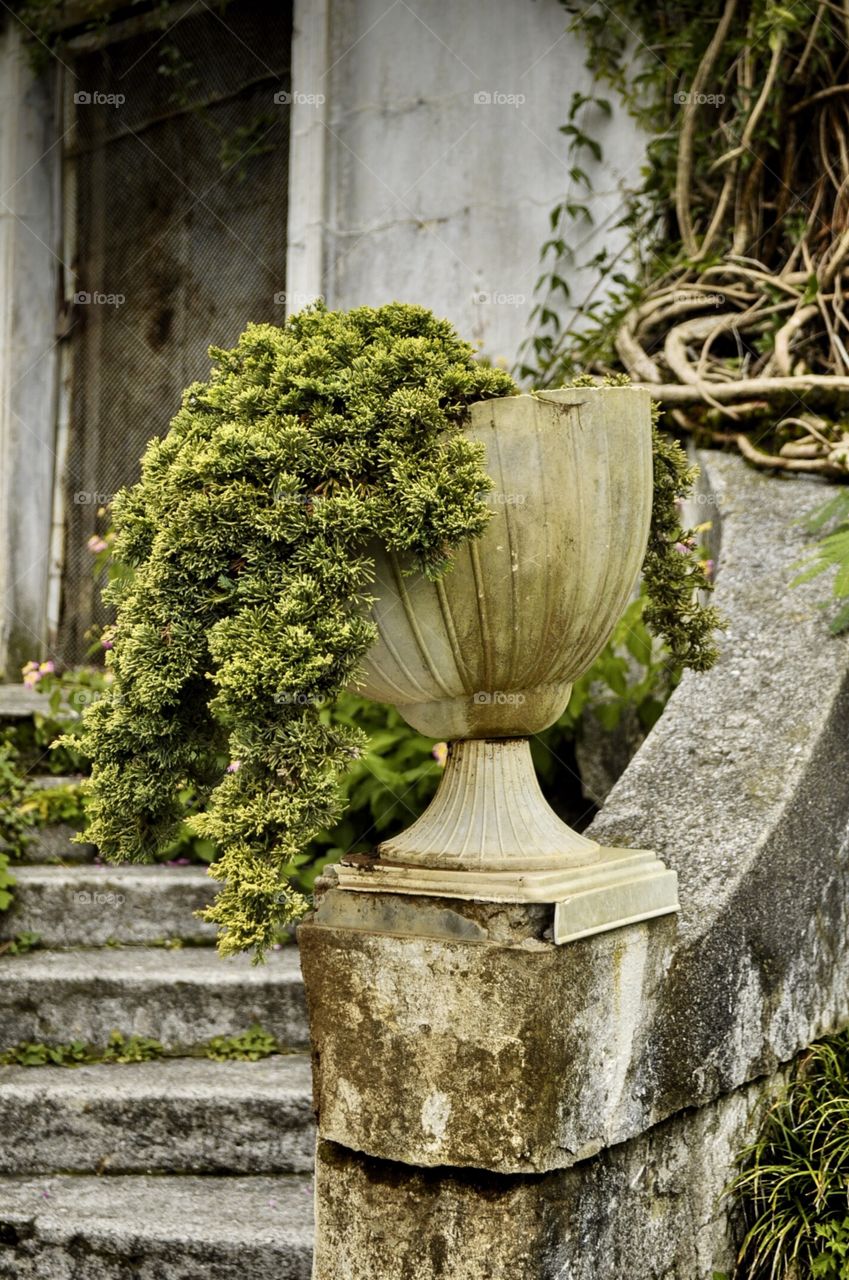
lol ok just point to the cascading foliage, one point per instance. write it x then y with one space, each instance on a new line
248 536
248 540
673 577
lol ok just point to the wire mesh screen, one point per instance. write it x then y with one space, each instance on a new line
181 159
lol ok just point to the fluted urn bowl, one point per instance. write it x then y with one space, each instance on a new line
486 655
492 648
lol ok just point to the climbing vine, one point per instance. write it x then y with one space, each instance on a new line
730 299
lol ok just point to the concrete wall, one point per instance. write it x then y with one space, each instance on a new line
28 369
428 192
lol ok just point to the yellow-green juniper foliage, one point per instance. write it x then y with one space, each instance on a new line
249 538
246 606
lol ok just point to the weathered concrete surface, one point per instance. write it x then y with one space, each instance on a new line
54 845
20 702
438 156
155 1228
649 1209
180 997
179 1115
497 1051
93 905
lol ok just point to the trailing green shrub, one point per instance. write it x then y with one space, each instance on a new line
792 1184
245 611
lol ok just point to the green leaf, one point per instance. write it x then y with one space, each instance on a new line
840 622
812 288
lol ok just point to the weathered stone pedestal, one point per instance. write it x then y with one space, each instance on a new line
465 1070
454 1033
492 1106
453 1083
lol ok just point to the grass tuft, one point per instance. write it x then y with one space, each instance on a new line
793 1181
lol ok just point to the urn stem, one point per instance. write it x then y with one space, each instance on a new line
489 814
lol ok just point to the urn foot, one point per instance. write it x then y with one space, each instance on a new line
623 886
489 835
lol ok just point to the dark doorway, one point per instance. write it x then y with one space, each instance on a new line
180 145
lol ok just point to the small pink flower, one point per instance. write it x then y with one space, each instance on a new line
234 766
440 753
96 544
35 671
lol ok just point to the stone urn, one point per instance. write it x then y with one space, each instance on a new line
485 657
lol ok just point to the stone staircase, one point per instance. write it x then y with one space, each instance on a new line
179 1168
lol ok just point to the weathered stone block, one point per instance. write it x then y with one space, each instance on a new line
499 1051
650 1209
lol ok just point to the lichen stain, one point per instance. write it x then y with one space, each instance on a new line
436 1112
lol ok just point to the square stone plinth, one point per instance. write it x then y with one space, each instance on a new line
457 1033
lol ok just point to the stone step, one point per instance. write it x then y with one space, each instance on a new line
20 702
175 1115
54 845
180 997
90 906
155 1228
